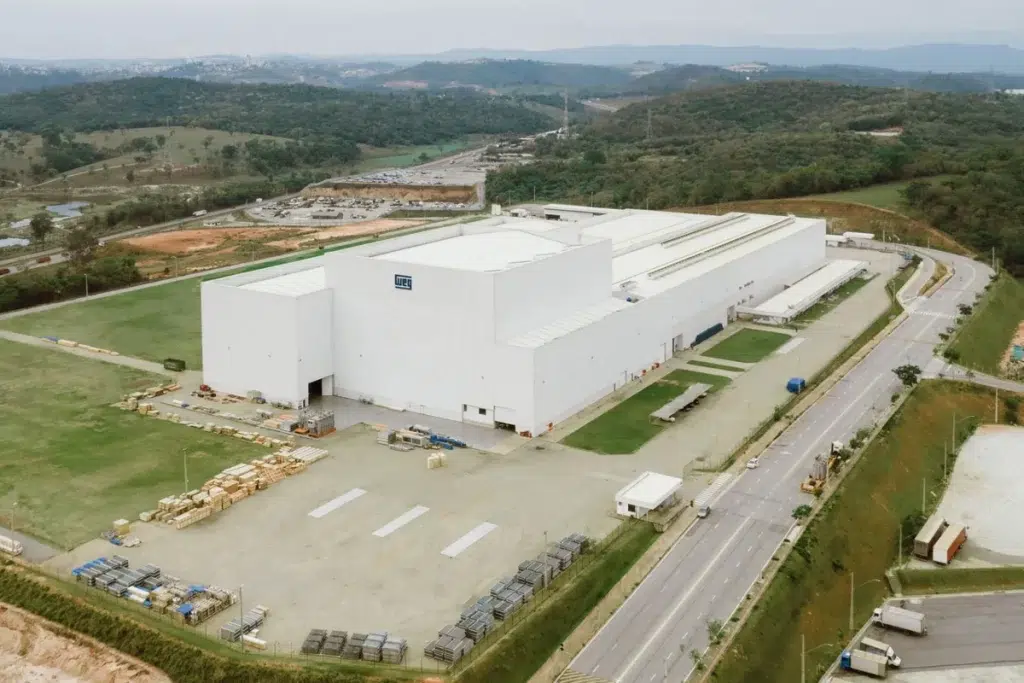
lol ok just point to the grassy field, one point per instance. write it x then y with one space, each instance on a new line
73 463
985 337
846 216
628 426
857 531
884 196
152 323
748 346
516 657
920 581
837 297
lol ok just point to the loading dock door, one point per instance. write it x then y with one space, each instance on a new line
477 415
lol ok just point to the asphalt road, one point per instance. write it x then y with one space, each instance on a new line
962 631
717 561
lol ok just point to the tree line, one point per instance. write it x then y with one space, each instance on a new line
790 139
299 112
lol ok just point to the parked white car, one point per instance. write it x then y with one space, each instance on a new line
753 463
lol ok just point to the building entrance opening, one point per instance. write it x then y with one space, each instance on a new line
316 389
504 425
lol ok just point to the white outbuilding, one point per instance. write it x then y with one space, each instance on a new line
650 491
516 323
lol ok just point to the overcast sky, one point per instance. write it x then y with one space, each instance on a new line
183 28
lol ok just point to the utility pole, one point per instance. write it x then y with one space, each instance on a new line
997 405
650 123
954 431
803 657
184 459
900 556
924 492
241 616
87 284
945 458
851 599
565 114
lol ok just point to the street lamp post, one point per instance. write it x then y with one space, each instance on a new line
803 656
854 587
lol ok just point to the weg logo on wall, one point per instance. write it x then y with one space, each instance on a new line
403 282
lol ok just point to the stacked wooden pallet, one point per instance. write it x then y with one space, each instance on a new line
232 485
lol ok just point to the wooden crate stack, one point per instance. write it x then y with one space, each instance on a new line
231 486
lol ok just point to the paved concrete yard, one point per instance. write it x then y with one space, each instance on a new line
986 494
723 420
962 631
332 572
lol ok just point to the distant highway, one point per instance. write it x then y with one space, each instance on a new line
707 573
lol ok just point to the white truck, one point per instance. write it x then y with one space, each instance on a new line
880 648
864 662
900 619
10 546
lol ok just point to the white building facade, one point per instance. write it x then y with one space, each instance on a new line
511 322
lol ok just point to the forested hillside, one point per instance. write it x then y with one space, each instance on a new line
508 73
787 139
698 77
292 111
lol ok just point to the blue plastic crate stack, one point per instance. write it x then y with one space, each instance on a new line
147 586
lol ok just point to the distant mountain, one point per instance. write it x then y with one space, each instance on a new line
945 58
695 77
488 73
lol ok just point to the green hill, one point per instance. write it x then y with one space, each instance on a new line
489 73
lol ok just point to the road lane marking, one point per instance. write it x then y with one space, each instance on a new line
682 601
471 537
332 505
400 521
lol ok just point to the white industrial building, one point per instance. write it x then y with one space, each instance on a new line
648 492
511 322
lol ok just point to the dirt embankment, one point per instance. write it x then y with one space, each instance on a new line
33 650
210 240
465 194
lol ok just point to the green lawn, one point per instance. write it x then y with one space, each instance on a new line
748 345
628 426
72 463
152 323
885 196
987 334
857 531
961 580
837 297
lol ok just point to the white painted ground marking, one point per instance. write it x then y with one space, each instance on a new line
332 505
670 618
469 539
400 521
790 345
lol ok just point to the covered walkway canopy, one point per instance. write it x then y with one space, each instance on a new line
796 299
693 393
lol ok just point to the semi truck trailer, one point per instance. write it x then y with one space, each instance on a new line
863 662
900 619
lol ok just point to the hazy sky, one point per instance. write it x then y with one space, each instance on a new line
181 28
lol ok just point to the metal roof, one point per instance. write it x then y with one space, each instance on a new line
577 321
693 393
649 490
794 300
291 284
481 252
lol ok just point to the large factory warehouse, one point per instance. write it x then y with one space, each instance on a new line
516 323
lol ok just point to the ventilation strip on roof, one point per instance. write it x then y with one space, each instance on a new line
679 264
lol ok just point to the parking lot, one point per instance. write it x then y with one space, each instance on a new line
963 631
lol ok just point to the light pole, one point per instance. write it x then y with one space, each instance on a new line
241 617
854 587
957 421
803 656
14 509
184 460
